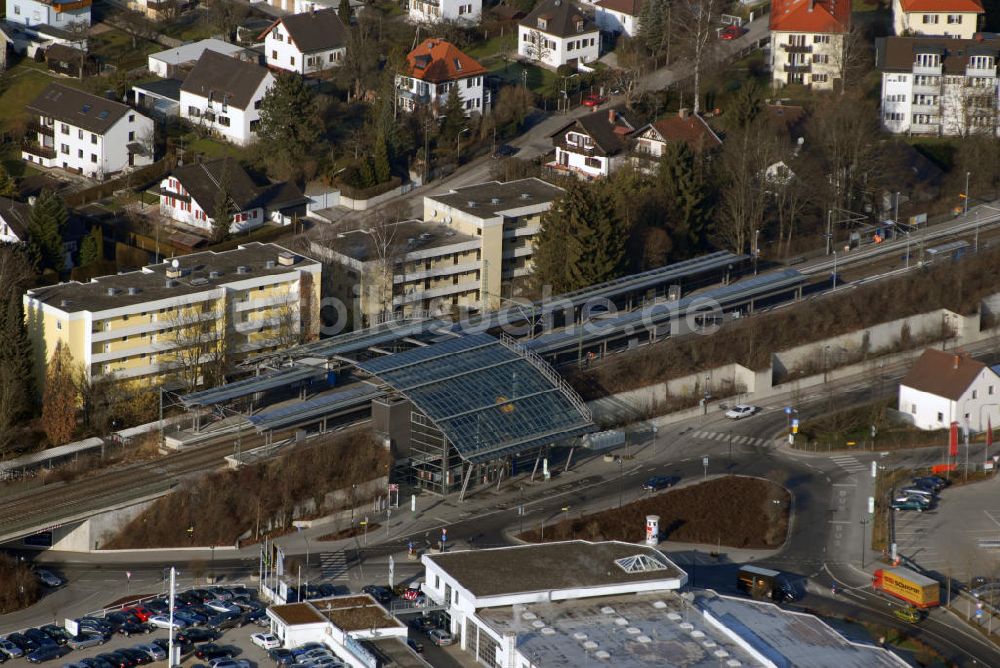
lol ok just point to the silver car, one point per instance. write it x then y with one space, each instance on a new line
10 649
155 652
85 640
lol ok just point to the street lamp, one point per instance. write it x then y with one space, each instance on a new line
864 525
458 146
967 193
756 250
621 479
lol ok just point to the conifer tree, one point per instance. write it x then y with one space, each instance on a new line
46 226
344 12
381 160
92 247
686 195
59 397
6 183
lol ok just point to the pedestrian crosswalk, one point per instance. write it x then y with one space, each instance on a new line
848 463
725 436
333 565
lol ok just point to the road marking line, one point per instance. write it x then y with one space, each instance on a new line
845 484
841 522
992 519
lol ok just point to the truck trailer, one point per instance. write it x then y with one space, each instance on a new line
910 586
763 583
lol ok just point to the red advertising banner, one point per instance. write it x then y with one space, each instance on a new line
953 440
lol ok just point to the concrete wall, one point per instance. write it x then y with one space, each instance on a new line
91 533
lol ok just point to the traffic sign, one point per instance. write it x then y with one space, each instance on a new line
795 425
788 410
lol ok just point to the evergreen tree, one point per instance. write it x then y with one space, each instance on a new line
367 173
46 226
6 183
290 121
747 104
344 12
381 160
59 397
686 195
92 248
454 115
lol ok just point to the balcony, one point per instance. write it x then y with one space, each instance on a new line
925 108
980 71
796 48
925 128
579 149
931 70
798 68
35 127
33 148
927 89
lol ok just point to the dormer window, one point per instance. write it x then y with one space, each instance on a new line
579 25
543 24
276 34
458 64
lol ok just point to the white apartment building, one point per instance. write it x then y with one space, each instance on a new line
91 135
30 13
938 86
306 43
435 11
943 387
937 18
620 17
223 94
558 32
433 70
807 41
144 324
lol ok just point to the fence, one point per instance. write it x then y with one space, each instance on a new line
135 180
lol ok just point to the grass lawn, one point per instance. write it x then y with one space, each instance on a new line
539 79
114 47
489 49
213 148
18 86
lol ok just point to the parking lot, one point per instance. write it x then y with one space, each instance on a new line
945 539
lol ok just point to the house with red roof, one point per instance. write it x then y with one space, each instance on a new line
937 18
807 41
436 68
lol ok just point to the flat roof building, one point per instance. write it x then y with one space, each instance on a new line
167 319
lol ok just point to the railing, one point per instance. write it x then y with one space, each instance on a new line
934 70
797 48
797 68
41 151
40 128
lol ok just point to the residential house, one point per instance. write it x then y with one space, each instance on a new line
435 11
70 61
178 61
434 69
34 13
157 10
161 98
86 133
619 17
937 18
14 218
652 140
944 387
306 43
192 194
807 41
151 323
558 32
224 95
938 85
594 145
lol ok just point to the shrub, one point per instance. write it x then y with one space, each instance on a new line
18 586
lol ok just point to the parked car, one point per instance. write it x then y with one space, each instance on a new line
10 649
504 151
163 622
917 491
196 635
326 589
40 638
908 504
116 619
226 620
95 662
188 617
731 32
658 482
47 653
218 605
57 633
94 625
48 578
306 647
210 651
937 482
593 100
115 660
162 643
265 640
379 593
155 652
229 663
140 658
140 611
326 662
282 657
85 640
132 629
159 606
740 411
440 637
25 643
415 646
924 502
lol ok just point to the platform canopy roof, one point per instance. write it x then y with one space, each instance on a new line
489 397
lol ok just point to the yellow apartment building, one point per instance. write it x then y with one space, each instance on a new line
181 317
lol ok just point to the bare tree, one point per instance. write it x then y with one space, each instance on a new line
198 345
538 46
136 25
388 251
695 25
747 154
853 59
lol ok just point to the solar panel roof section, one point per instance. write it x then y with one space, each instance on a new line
317 407
354 341
489 399
241 388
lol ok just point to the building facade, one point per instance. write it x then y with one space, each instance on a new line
436 68
939 86
938 18
942 387
807 42
223 95
30 13
435 11
558 32
174 318
620 17
85 133
306 43
14 217
191 195
595 145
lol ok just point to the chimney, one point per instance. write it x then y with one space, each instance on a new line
812 3
611 116
286 259
958 360
683 112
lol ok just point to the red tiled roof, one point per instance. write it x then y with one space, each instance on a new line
823 16
942 6
693 130
436 61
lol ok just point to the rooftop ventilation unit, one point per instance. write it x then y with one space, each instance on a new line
170 283
494 200
133 291
269 264
242 269
525 195
201 280
111 292
63 303
472 204
215 274
175 269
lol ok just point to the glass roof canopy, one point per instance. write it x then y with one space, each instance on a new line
489 397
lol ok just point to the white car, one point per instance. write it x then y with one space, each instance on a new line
163 622
265 640
222 606
740 411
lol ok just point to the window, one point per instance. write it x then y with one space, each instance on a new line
79 153
974 393
594 163
821 59
17 10
256 105
277 35
79 134
940 416
542 23
131 118
925 80
93 158
224 121
820 78
274 54
928 60
254 125
796 40
292 61
63 128
93 139
954 19
821 39
930 19
913 409
58 324
922 119
894 117
980 62
131 136
989 390
64 148
570 45
437 581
